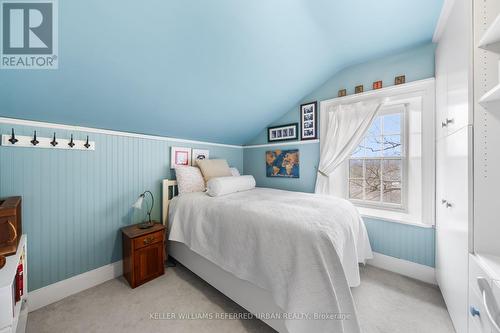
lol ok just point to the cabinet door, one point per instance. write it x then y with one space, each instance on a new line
148 263
452 234
453 62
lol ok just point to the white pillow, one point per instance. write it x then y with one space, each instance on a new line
189 179
234 172
226 185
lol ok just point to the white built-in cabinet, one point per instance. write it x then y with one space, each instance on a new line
454 160
468 165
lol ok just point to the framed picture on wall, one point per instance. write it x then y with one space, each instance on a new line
309 121
180 156
283 132
200 154
283 163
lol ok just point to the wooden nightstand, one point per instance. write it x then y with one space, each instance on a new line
143 253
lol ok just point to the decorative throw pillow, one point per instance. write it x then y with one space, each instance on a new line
218 186
214 168
189 179
235 172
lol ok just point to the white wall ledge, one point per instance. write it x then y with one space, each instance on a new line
392 216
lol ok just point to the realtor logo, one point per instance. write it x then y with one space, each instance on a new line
28 34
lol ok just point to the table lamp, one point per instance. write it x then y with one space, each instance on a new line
138 205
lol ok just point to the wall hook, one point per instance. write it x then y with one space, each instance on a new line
54 142
34 142
71 143
13 139
87 144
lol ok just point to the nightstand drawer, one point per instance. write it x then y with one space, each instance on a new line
148 239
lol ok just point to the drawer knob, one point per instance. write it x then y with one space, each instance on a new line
474 311
148 240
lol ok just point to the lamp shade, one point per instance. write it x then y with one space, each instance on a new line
138 203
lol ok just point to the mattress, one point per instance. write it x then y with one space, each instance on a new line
303 248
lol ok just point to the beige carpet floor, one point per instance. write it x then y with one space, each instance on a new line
386 303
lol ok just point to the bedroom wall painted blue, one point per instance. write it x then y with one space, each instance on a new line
215 70
75 202
385 237
403 241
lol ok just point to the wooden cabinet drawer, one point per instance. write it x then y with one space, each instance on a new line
148 239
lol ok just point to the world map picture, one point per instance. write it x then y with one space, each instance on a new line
282 163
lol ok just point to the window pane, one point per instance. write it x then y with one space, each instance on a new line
392 145
392 123
373 147
372 189
372 169
359 151
391 169
392 192
376 127
372 180
356 189
355 168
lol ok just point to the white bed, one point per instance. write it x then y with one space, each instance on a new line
273 252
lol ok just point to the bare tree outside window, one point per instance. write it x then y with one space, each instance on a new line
376 166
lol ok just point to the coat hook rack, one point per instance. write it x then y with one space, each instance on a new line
54 142
71 142
13 139
10 139
34 142
87 144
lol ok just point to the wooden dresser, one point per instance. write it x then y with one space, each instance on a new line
143 253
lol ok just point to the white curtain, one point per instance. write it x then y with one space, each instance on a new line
346 125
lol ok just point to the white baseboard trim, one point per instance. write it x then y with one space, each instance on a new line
404 267
62 289
59 290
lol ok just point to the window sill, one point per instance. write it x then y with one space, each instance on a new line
392 216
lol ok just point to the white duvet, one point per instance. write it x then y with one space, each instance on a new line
303 248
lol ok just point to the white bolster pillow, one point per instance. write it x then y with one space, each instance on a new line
226 185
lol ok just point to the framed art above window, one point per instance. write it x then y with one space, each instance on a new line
283 132
309 121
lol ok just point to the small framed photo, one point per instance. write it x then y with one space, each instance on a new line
200 154
342 93
358 89
283 132
377 85
399 79
180 156
309 121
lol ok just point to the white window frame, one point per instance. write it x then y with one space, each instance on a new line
420 200
402 207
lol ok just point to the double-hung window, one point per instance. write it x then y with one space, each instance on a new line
377 167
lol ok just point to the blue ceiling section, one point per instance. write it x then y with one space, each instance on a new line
217 70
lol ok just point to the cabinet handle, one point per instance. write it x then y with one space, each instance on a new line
494 311
148 240
446 203
474 311
446 122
